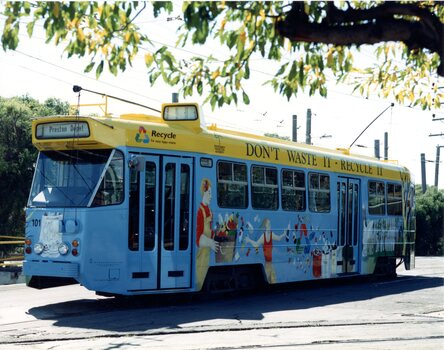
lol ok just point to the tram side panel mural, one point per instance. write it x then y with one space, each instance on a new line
299 251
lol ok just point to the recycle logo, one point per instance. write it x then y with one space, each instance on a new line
141 136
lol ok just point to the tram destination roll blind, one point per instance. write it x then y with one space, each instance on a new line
62 130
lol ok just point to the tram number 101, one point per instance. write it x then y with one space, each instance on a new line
36 222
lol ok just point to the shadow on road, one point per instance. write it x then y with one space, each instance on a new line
140 314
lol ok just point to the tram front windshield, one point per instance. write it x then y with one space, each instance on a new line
66 178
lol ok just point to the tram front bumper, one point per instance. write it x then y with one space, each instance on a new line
51 269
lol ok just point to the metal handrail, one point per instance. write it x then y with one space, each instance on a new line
13 260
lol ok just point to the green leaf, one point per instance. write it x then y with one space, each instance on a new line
30 28
89 67
168 58
301 73
213 101
245 98
235 98
112 68
247 71
293 71
175 80
232 39
99 69
288 92
323 91
282 68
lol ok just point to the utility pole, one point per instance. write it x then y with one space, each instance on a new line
386 145
438 147
377 155
308 128
295 128
423 173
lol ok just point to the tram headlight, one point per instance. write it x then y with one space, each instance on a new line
38 248
63 249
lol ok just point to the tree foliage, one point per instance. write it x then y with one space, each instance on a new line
308 41
17 155
429 221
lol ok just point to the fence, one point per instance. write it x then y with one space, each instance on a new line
13 259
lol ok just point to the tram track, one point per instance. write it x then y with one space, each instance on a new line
351 342
34 336
406 312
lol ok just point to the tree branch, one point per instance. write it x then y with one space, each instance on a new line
416 26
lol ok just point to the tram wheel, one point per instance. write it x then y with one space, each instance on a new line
386 267
223 279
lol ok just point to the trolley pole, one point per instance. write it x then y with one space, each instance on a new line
295 128
308 128
423 173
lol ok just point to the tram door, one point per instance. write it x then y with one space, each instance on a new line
175 247
143 228
349 225
159 238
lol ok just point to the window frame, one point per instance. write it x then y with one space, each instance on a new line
316 191
369 196
230 182
265 185
103 179
295 189
398 211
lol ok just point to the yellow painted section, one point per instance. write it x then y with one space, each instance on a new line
104 133
151 132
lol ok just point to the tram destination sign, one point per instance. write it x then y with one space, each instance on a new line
62 130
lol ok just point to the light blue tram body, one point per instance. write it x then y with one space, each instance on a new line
170 206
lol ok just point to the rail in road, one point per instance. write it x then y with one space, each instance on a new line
406 312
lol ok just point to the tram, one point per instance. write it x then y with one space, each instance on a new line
142 204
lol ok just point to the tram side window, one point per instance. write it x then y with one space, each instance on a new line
150 206
394 199
319 193
376 198
264 188
293 190
185 179
232 185
111 188
169 206
133 221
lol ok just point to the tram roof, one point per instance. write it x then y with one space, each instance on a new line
178 129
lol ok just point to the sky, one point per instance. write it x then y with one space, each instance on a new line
42 71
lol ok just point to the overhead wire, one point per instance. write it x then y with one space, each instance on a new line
203 56
85 76
174 48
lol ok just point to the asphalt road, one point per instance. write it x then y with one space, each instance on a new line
407 313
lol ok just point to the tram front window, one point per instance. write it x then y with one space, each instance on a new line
67 178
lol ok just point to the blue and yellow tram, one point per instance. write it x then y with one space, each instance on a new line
141 204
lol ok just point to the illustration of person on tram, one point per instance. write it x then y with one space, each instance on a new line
204 233
266 241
